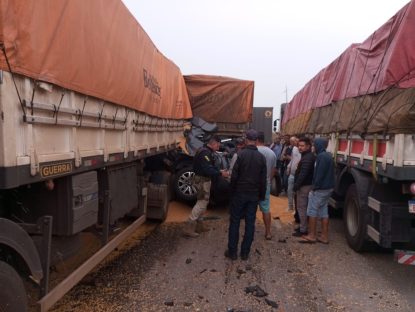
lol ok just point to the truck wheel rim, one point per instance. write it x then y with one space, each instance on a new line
352 218
185 185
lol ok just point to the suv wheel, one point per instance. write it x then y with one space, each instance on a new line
183 185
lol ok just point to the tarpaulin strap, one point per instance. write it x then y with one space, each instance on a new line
3 48
127 112
349 150
33 97
336 148
100 114
56 109
374 160
81 113
115 116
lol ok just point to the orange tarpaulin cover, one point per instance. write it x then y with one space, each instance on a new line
220 99
95 47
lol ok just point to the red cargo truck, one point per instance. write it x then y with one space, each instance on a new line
364 102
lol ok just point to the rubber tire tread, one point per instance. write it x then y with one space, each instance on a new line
12 294
358 242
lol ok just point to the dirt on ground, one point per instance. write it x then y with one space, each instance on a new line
164 271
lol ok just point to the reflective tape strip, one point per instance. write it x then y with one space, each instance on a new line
406 259
410 261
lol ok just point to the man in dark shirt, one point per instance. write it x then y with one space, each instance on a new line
205 169
248 184
303 180
323 184
285 160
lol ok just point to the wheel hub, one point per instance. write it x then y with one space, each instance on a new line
352 218
185 183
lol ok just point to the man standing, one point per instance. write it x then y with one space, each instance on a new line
291 168
302 182
271 161
205 169
240 144
277 149
285 159
323 184
248 184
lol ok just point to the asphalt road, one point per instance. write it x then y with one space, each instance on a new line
165 271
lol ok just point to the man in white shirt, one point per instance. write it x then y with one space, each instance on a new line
271 161
291 168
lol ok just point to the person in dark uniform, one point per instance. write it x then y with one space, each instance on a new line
248 184
205 169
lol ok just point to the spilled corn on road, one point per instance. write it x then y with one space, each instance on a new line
160 270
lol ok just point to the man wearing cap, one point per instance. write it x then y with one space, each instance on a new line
248 184
205 169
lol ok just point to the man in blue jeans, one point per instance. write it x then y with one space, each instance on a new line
322 187
248 183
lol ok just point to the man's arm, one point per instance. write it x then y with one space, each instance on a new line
296 157
233 161
206 164
263 179
235 173
322 166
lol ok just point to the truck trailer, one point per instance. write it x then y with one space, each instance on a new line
87 102
225 101
364 102
262 120
221 106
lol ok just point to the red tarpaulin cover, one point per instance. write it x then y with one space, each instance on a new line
95 47
386 59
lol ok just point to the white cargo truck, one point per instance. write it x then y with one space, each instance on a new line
87 103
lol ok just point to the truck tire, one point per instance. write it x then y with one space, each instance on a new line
158 202
183 188
355 220
12 293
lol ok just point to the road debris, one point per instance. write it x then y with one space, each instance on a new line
169 303
256 290
240 271
272 303
153 271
